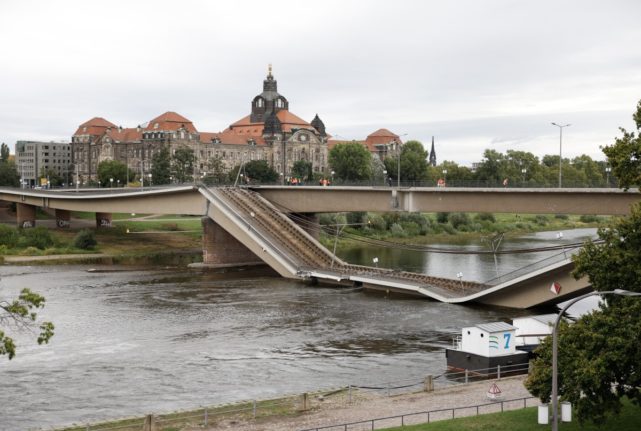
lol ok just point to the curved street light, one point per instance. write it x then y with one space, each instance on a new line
555 346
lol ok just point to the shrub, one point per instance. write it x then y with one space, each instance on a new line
85 240
561 216
457 220
481 217
169 226
8 236
30 251
397 230
411 228
377 222
589 218
541 219
38 237
356 217
442 217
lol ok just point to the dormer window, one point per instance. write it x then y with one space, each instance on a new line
84 129
156 125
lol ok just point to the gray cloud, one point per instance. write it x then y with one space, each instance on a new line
476 75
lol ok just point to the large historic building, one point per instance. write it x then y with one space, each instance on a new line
270 132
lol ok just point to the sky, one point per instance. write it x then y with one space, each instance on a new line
473 74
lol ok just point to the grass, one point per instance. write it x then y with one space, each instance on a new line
526 420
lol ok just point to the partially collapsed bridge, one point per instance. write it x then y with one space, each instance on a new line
243 227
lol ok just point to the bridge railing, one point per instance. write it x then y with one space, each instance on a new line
524 270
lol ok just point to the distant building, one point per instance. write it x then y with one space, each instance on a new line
381 143
270 132
34 159
432 156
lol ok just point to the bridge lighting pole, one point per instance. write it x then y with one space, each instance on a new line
524 171
555 346
607 175
560 148
398 153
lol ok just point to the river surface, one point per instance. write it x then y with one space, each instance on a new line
129 342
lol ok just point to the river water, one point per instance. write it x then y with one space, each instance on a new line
129 342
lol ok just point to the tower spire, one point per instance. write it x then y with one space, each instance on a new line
269 70
432 160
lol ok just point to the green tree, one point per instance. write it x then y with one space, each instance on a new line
600 354
303 169
215 173
4 152
115 169
455 173
413 162
625 154
161 166
492 168
255 171
9 174
20 314
350 161
182 164
52 177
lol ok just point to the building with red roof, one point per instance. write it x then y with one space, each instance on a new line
270 132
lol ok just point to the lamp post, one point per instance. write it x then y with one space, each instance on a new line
333 177
384 177
111 183
555 346
560 147
444 176
607 175
150 180
524 171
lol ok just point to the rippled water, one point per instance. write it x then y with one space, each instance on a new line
134 342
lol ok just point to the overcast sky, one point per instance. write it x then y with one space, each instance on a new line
474 74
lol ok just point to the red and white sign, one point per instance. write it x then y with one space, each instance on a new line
555 288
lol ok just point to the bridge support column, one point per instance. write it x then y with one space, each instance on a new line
103 220
309 222
63 218
25 215
222 249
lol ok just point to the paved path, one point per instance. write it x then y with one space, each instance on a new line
336 410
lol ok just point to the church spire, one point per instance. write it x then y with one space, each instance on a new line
432 160
269 70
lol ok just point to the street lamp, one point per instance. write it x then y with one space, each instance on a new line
333 177
607 175
117 183
445 176
560 147
524 171
384 176
555 346
150 183
111 183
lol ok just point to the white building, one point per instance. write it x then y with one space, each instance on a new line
34 159
532 330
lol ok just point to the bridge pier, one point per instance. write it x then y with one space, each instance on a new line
25 215
221 249
309 223
103 220
63 218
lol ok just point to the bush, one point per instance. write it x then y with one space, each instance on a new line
85 240
8 236
442 217
356 218
411 228
481 217
541 219
30 251
38 237
589 218
457 220
561 216
397 230
377 222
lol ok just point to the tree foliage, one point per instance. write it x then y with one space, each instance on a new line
350 161
625 154
161 166
4 152
255 171
303 169
216 171
115 169
600 354
182 164
9 176
20 314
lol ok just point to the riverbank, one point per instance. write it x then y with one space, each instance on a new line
333 408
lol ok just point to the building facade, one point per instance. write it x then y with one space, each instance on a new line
36 160
270 132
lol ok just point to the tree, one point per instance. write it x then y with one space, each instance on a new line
255 171
9 174
20 314
215 173
161 166
413 162
182 164
52 177
350 161
115 169
4 152
492 167
303 169
625 155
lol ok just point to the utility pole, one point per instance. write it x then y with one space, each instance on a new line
560 149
